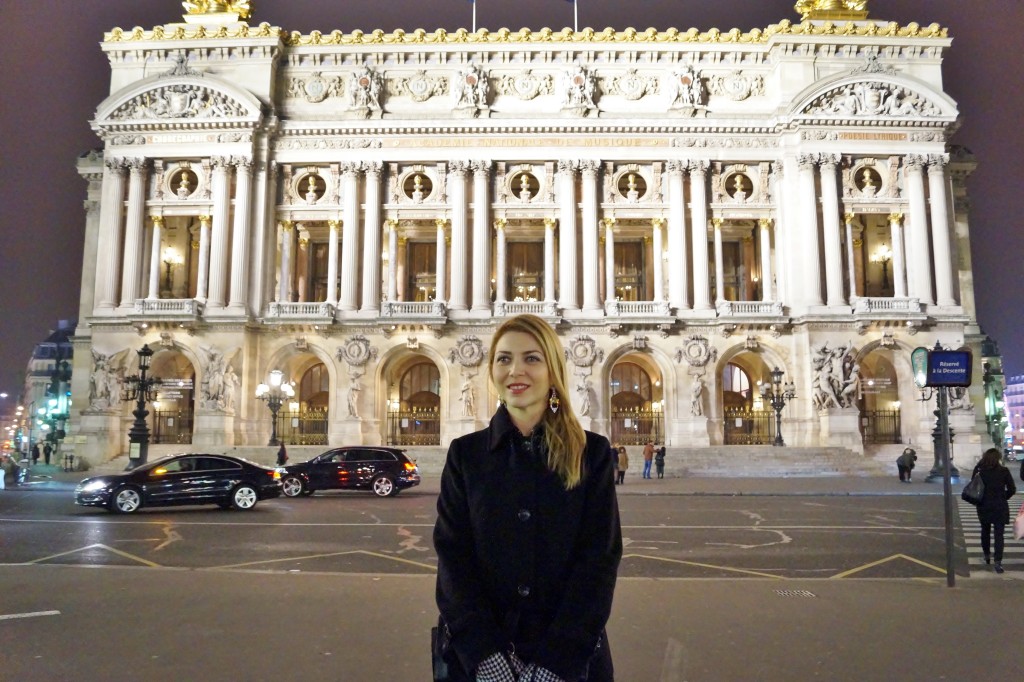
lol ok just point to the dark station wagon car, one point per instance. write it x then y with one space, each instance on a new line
182 479
385 471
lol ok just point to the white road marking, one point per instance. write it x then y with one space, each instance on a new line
34 614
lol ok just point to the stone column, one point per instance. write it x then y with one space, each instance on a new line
659 273
899 266
350 238
719 261
699 209
830 218
261 238
241 255
591 295
567 235
372 239
154 258
777 187
284 292
549 259
764 228
219 236
481 237
609 260
332 261
940 229
808 211
678 267
392 227
442 256
919 271
131 273
457 195
501 278
108 259
851 266
203 268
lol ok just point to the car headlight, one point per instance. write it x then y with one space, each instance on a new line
93 486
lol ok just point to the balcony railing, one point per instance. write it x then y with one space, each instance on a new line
749 308
543 308
637 308
316 312
413 309
189 307
867 305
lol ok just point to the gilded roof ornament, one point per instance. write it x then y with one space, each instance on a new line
849 10
240 9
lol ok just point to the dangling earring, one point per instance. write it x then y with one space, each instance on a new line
554 402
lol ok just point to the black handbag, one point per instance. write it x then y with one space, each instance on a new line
974 491
440 639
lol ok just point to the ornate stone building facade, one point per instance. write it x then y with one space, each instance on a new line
690 210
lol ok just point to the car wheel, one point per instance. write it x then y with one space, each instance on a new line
383 486
292 486
126 500
244 496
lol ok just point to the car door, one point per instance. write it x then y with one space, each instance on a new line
215 477
364 464
328 471
171 482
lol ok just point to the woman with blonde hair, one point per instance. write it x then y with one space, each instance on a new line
527 536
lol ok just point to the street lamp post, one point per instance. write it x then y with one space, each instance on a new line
274 393
777 396
140 389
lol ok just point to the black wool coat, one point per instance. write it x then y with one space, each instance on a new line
999 488
524 563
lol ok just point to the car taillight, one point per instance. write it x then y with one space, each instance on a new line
409 466
275 474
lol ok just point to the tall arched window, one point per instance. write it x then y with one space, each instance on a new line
630 387
315 387
736 391
420 387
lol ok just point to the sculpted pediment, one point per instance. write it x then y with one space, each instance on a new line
873 95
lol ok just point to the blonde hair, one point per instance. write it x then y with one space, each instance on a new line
563 434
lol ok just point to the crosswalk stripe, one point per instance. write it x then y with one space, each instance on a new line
1013 550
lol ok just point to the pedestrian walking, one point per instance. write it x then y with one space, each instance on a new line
528 601
648 458
3 471
35 454
905 463
623 464
659 461
615 458
47 451
282 456
994 510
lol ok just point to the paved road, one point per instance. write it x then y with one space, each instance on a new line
678 536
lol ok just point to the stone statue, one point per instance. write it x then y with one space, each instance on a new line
103 382
696 397
836 377
364 91
353 398
230 387
585 389
578 90
470 89
213 379
468 399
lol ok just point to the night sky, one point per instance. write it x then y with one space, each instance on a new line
54 75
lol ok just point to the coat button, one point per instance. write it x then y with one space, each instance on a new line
524 514
524 590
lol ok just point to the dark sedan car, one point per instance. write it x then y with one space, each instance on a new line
385 471
182 479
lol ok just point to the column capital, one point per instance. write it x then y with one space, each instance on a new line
390 224
335 223
550 223
287 225
717 223
915 162
458 167
765 223
220 163
204 220
807 161
675 166
895 218
590 166
481 166
137 164
242 163
698 166
828 161
500 223
609 222
441 223
937 163
116 164
657 223
849 217
778 170
373 168
158 220
351 168
568 165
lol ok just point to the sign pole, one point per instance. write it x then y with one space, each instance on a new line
947 487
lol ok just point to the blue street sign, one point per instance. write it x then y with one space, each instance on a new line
949 368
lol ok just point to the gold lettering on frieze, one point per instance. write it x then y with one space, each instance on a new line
528 142
890 137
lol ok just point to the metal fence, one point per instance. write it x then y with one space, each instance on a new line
421 427
308 427
171 427
749 427
881 427
637 427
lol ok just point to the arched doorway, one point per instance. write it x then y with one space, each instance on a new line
174 407
637 402
414 409
305 420
747 421
879 400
